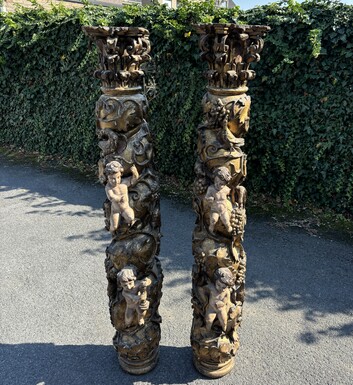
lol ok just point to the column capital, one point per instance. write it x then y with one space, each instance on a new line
121 51
229 49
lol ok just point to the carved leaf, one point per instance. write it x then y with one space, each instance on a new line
244 112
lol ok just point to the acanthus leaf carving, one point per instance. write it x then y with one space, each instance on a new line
121 51
229 49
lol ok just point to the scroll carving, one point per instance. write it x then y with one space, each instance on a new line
131 210
219 196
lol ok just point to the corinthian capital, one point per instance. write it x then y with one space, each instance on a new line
121 51
229 49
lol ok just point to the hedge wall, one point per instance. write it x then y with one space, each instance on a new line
300 139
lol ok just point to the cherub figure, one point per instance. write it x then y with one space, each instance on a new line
117 192
135 294
217 195
219 301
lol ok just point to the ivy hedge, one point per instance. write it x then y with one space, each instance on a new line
300 140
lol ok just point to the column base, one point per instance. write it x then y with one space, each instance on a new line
213 370
138 366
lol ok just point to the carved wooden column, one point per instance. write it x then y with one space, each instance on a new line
219 197
132 206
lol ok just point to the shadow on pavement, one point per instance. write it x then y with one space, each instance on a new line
49 364
55 189
301 272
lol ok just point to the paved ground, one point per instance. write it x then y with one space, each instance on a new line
54 323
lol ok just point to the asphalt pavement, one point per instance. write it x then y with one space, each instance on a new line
54 322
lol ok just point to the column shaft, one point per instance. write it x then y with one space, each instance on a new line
219 197
131 209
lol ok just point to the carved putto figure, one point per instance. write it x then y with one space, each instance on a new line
219 302
217 196
135 294
117 192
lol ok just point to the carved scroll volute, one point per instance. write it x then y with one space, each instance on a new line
219 197
126 169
